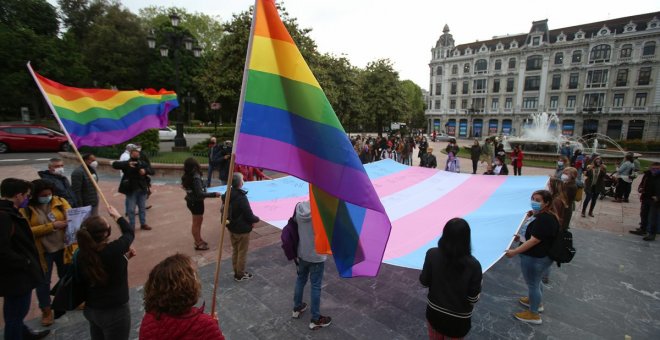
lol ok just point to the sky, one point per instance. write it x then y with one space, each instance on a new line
405 31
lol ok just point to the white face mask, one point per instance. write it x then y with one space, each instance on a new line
59 171
94 164
564 177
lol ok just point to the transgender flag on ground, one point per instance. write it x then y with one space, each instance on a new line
288 125
98 117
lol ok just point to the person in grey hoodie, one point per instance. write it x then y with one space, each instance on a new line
310 264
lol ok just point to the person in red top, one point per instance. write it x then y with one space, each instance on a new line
170 294
517 160
250 173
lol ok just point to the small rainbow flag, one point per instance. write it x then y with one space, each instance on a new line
98 117
288 125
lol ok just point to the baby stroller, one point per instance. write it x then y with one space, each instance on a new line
609 186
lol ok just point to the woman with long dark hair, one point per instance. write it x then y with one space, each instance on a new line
103 266
534 261
170 295
453 277
195 194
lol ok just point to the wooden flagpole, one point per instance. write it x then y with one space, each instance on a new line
239 118
71 143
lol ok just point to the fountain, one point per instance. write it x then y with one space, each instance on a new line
539 141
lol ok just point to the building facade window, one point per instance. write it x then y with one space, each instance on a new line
438 71
464 104
496 85
573 79
649 48
532 83
466 68
576 57
640 99
437 105
494 104
454 69
556 82
554 101
530 102
622 77
478 104
508 103
644 77
481 66
618 100
512 63
438 89
453 87
559 58
498 64
509 85
452 104
479 86
597 78
600 53
593 100
570 102
534 63
626 51
465 87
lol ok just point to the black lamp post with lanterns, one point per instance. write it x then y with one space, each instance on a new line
176 40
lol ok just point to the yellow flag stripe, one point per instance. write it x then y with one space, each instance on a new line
281 58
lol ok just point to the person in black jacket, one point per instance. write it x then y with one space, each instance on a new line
195 195
225 154
103 267
428 160
135 185
652 191
19 260
55 175
453 277
214 157
239 222
82 187
475 154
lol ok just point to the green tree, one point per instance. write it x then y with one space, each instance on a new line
78 16
414 116
382 94
339 80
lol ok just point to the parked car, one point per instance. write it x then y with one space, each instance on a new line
167 133
31 138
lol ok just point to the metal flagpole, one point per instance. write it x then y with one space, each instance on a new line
73 145
239 118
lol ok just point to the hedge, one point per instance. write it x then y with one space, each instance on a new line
640 145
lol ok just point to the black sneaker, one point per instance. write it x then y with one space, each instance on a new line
649 237
299 310
638 231
323 321
246 276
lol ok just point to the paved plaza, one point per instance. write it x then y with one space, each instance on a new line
609 291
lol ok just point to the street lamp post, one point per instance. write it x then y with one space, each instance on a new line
176 40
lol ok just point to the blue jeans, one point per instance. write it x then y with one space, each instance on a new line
209 175
532 270
315 273
110 323
15 309
43 290
139 198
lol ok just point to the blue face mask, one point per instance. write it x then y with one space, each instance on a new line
24 204
536 206
45 200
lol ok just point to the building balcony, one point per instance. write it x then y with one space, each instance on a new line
647 57
639 109
625 60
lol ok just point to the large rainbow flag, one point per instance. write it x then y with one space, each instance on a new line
419 202
289 126
99 117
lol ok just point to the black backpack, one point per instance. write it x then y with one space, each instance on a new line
290 238
561 250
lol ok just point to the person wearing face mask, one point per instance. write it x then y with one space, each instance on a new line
534 259
55 175
651 196
82 187
46 214
499 167
135 185
593 184
562 163
624 174
569 176
19 260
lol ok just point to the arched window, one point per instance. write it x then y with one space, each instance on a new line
600 53
466 68
649 48
454 69
481 66
498 64
512 63
626 51
559 58
534 63
438 71
577 56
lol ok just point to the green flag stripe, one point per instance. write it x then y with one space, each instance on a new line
116 113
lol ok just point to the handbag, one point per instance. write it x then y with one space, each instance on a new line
69 291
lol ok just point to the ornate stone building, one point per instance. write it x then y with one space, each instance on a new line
597 77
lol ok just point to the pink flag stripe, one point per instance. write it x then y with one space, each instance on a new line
282 209
412 230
